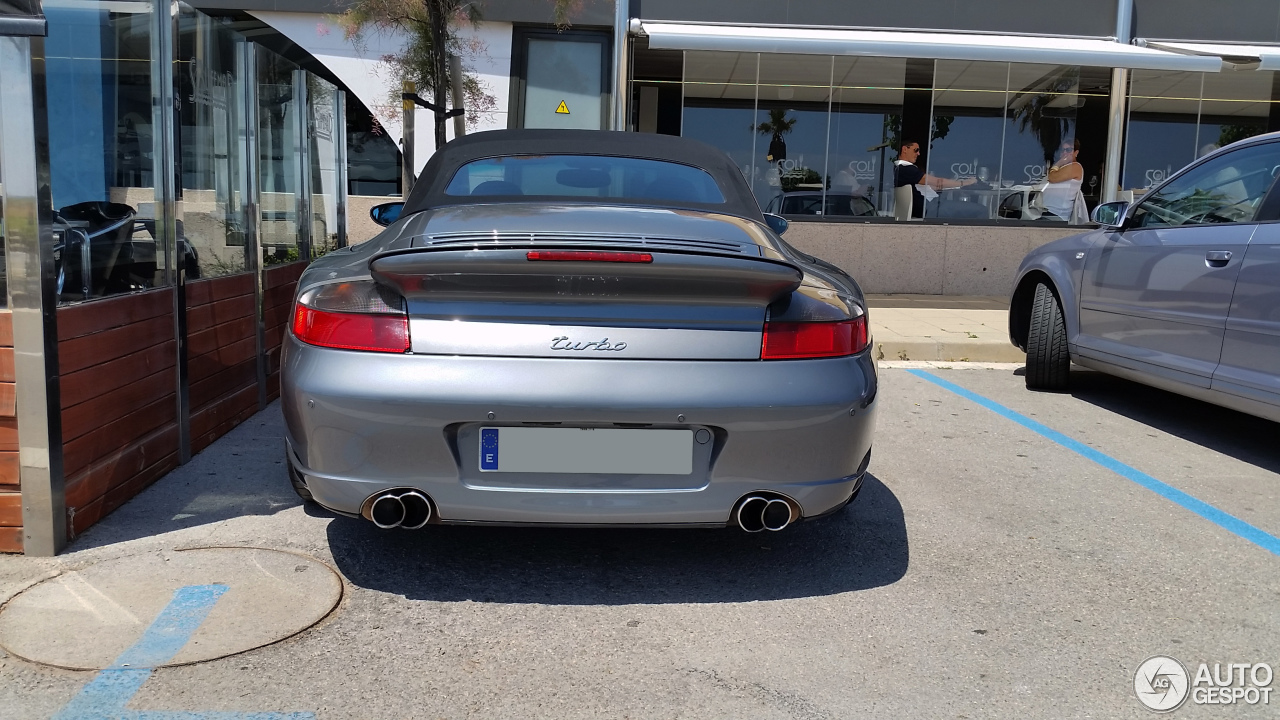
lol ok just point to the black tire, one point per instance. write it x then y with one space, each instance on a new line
295 480
1048 363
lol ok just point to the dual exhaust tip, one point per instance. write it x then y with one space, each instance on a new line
406 509
411 510
756 513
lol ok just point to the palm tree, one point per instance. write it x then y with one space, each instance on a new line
777 125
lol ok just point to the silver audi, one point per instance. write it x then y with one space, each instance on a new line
578 328
1179 290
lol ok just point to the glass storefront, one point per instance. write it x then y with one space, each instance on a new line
324 155
819 135
4 255
101 147
279 155
1175 118
105 151
210 93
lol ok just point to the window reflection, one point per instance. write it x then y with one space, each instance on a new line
866 118
101 153
279 168
791 125
720 105
322 103
210 95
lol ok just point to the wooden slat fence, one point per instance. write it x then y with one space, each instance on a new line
222 356
10 499
118 365
281 283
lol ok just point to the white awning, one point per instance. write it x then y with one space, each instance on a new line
944 46
1267 56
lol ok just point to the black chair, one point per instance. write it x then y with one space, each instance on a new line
97 253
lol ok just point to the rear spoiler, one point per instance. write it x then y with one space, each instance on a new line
508 275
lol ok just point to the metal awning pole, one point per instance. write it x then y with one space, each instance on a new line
1116 113
24 133
620 71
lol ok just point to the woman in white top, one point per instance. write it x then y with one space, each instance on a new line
1061 195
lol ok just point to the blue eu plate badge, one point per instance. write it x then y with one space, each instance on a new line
489 449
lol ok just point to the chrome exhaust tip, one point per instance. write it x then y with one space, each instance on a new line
387 511
750 514
417 510
776 515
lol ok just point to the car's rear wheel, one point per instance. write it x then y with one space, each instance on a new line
1048 362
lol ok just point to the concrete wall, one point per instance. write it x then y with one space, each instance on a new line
924 259
883 258
361 227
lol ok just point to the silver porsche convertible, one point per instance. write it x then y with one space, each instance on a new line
578 328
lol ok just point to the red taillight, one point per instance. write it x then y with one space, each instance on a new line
351 331
590 256
786 340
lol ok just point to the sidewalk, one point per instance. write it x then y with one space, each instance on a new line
939 327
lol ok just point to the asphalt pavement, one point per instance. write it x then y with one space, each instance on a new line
1012 555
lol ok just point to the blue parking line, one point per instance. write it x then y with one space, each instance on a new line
1228 522
105 697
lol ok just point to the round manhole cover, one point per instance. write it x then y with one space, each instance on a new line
85 619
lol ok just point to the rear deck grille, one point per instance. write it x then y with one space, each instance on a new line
541 240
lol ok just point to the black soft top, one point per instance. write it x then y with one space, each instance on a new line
429 190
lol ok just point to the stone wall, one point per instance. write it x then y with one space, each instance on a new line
924 259
883 257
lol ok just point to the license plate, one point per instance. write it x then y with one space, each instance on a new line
606 451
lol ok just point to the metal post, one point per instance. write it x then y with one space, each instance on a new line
406 140
340 165
252 208
163 107
1116 113
302 164
455 87
32 278
620 71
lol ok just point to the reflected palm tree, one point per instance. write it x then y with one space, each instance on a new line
778 125
1033 109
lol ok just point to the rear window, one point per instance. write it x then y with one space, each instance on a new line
585 176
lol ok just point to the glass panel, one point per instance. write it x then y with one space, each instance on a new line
564 79
373 158
791 128
1043 100
1226 189
967 137
720 105
585 176
278 163
1040 133
98 79
322 99
1236 106
4 265
866 124
1162 136
210 94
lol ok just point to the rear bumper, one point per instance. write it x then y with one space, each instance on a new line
360 423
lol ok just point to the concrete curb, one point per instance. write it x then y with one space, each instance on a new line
947 350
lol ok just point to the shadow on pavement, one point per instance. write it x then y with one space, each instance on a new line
864 546
1244 437
242 473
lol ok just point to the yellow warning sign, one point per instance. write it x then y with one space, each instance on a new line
563 109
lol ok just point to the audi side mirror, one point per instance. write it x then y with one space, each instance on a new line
776 223
386 213
1111 215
